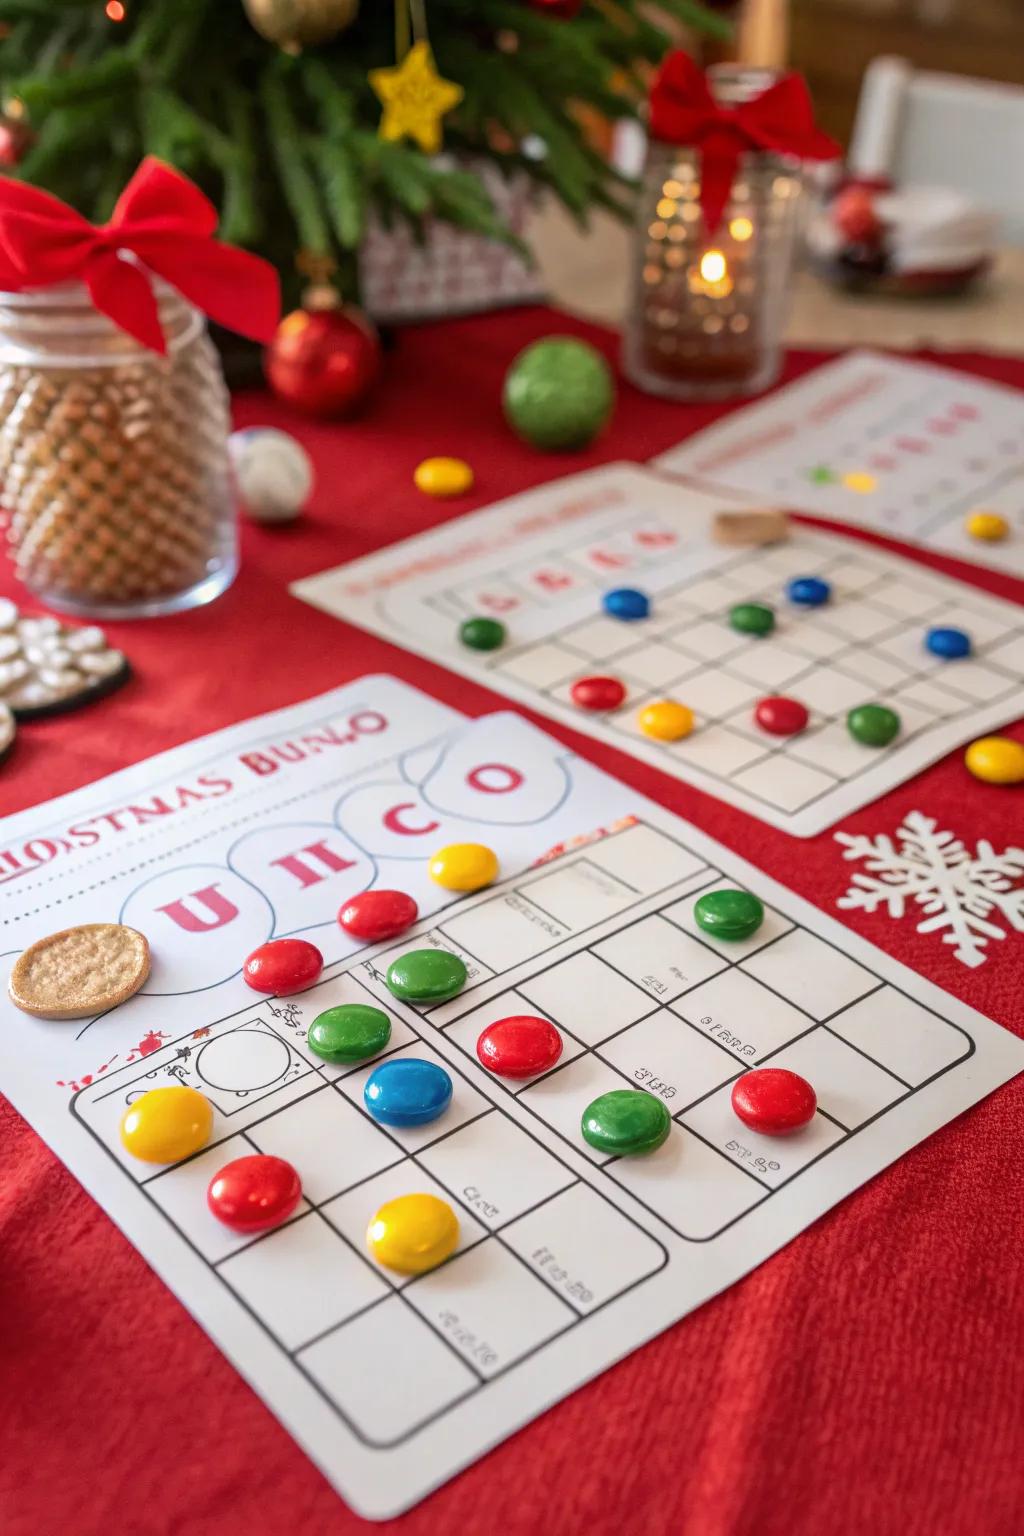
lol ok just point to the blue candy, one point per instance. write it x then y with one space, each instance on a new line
948 643
407 1092
626 603
808 591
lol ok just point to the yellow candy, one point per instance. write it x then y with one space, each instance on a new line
861 482
988 526
443 477
464 866
413 1234
996 760
167 1124
666 720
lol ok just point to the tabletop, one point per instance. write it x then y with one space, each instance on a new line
869 1377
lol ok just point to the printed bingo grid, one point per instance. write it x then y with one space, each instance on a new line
541 561
906 447
567 1259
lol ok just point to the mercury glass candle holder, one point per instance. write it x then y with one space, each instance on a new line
707 312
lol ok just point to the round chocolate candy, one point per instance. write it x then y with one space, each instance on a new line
752 618
167 1124
781 716
873 725
996 760
729 914
464 866
625 1122
443 477
349 1032
481 634
597 693
949 644
808 591
375 915
426 976
413 1233
519 1046
407 1092
283 966
626 603
988 526
665 720
774 1101
255 1193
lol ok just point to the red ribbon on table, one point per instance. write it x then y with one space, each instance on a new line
781 119
166 224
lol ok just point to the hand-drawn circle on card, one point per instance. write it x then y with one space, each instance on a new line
243 1061
201 922
494 778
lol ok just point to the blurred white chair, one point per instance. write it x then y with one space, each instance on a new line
923 128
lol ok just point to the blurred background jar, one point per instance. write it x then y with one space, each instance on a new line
114 480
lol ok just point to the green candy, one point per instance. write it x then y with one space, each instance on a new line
426 976
752 619
873 724
625 1121
559 393
350 1032
729 914
482 634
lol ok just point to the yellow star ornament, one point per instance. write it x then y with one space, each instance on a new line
415 98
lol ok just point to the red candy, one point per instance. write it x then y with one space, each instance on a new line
773 1100
282 966
375 915
781 716
255 1193
519 1046
598 693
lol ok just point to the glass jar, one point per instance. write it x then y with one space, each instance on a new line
114 477
706 314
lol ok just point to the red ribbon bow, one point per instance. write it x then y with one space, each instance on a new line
683 111
164 221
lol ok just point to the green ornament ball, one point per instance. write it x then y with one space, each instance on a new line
559 393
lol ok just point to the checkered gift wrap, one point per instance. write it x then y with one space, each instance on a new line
453 272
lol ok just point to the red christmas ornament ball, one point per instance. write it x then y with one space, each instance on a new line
323 361
15 139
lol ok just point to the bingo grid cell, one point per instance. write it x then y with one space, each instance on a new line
560 1098
645 860
735 1011
505 930
832 692
180 1192
466 1031
815 975
773 924
350 1214
654 665
541 666
302 1279
579 894
465 1104
586 997
489 1306
715 694
719 749
659 957
781 781
689 1185
387 1371
769 663
772 1159
348 1146
911 1041
667 1057
850 1087
870 668
600 639
496 1169
858 621
584 1248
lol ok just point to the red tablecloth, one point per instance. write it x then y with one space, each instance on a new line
870 1378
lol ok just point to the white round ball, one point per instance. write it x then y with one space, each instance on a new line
273 472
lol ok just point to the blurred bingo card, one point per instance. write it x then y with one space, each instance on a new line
906 448
540 562
568 1258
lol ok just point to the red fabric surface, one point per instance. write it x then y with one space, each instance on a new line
869 1378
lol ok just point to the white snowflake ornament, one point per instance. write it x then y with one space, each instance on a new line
956 890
